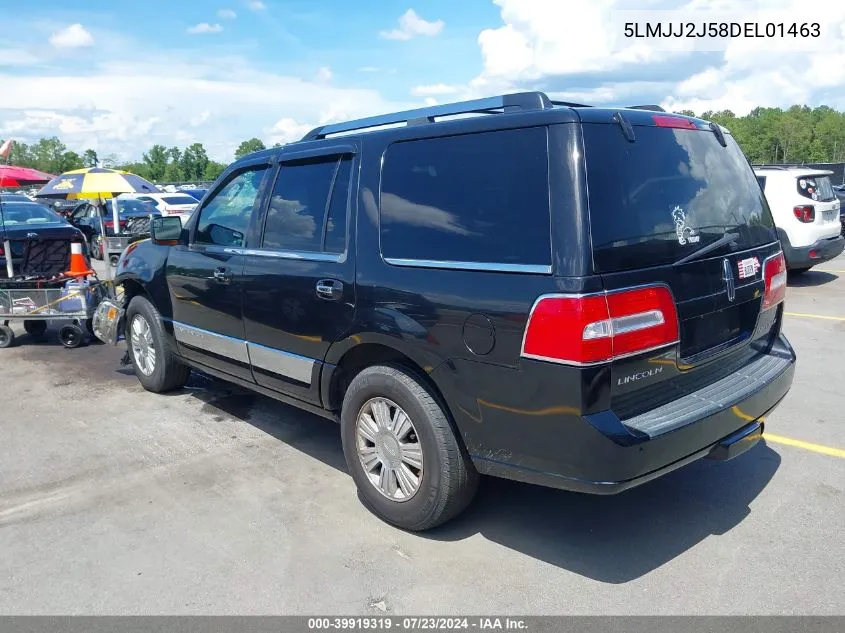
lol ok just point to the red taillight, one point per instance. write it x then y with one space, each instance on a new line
597 328
805 214
774 275
662 120
2 252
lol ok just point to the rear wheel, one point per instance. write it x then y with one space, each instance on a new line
35 328
155 364
410 468
7 337
71 336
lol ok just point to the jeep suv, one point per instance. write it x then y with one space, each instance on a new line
576 297
805 210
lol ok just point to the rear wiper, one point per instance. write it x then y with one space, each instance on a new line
727 238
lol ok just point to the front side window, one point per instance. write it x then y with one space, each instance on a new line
479 198
224 219
308 206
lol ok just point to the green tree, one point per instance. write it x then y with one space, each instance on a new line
69 161
156 161
48 154
173 173
248 147
194 161
89 158
175 154
213 170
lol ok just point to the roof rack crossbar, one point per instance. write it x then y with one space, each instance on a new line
509 102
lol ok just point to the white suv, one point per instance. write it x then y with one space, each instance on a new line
180 204
806 212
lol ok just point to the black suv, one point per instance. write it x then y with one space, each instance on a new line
577 297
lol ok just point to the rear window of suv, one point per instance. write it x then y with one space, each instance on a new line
817 188
179 200
667 194
476 198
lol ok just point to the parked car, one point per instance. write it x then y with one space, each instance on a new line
583 298
806 212
178 204
22 221
65 208
195 193
839 192
13 197
86 218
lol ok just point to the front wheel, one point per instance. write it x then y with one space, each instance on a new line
409 466
96 247
155 364
71 336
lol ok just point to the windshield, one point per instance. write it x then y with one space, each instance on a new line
816 188
179 200
26 213
668 194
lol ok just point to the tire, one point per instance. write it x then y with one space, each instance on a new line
95 247
447 480
167 372
7 337
35 328
71 336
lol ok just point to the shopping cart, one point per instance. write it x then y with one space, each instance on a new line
41 294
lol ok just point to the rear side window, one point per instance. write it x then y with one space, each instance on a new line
308 206
668 194
479 198
817 188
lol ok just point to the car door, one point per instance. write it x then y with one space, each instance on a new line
299 291
205 277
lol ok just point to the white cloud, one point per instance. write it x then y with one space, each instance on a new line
586 58
74 36
204 27
227 14
435 89
411 25
324 75
256 5
369 69
121 110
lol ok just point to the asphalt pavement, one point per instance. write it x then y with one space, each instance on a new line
214 500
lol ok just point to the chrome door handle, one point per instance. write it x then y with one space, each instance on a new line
221 276
330 289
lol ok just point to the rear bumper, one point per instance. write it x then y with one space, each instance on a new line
598 454
807 256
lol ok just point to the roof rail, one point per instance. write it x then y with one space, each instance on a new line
569 104
653 108
517 101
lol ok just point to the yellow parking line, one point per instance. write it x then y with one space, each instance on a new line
814 316
809 446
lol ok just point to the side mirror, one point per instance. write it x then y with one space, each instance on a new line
166 231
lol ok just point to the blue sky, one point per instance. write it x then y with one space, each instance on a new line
120 76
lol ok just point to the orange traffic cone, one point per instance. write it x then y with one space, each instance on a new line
78 266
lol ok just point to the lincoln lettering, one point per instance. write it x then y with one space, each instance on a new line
639 376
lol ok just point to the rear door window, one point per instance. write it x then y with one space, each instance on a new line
668 194
477 198
308 207
817 188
